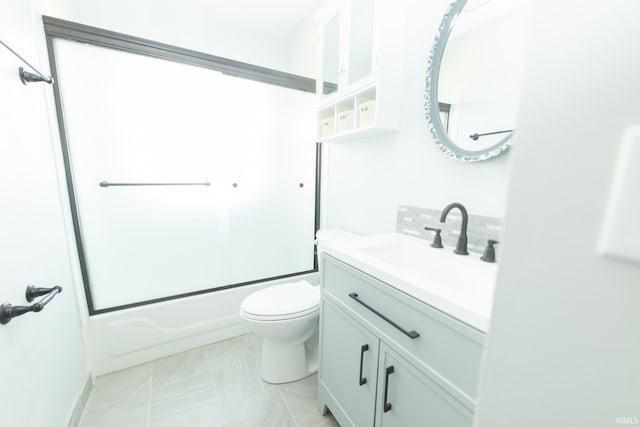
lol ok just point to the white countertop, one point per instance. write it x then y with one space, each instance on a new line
461 286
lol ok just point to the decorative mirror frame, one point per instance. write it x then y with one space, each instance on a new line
432 112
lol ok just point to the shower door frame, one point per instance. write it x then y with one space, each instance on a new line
55 28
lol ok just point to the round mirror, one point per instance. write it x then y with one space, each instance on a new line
473 78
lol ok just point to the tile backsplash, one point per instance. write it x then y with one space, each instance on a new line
412 220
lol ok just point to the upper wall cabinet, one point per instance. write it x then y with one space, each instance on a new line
360 54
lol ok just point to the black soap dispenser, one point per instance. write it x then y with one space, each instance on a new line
489 254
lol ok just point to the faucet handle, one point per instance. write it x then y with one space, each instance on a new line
437 240
489 254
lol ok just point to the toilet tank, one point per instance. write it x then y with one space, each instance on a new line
331 234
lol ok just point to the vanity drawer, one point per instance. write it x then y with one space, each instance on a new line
445 346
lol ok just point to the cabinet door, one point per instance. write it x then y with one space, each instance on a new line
408 397
330 72
360 65
349 361
346 44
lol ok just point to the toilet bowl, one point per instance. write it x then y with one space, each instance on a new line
286 317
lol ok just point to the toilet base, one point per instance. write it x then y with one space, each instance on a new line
282 363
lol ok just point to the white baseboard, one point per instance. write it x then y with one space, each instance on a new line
81 403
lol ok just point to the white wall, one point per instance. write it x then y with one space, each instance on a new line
301 49
369 178
564 343
42 364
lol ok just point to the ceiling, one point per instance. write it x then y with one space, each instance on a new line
271 17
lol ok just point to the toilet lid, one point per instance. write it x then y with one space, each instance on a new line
286 300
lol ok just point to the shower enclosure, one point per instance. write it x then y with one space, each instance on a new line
187 173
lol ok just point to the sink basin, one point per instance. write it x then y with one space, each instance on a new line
459 285
419 258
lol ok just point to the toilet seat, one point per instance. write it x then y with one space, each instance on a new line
282 302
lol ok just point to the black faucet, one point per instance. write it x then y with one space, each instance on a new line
461 246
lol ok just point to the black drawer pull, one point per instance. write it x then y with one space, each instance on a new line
387 405
411 334
364 348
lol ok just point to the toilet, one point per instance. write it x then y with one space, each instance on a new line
285 316
330 235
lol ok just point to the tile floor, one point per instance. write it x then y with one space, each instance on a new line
215 385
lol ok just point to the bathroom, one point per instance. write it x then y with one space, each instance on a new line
563 343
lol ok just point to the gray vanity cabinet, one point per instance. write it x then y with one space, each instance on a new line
419 365
346 347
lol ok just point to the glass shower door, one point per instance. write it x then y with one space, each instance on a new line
245 148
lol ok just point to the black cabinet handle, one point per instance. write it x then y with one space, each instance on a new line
411 334
364 348
387 405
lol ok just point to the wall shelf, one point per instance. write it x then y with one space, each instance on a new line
356 134
356 115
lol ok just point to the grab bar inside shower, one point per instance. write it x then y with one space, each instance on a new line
106 184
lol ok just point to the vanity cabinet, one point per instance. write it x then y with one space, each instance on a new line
350 358
357 85
413 398
420 366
